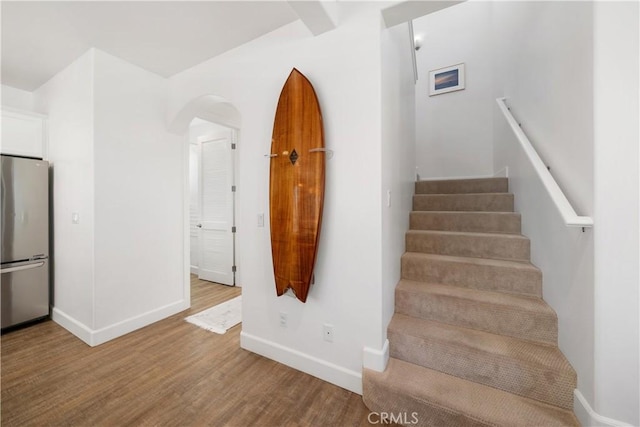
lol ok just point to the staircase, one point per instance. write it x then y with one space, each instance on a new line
472 343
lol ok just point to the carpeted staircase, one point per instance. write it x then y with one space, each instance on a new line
472 343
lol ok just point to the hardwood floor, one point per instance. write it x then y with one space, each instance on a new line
171 373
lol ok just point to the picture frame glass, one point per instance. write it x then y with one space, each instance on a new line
447 79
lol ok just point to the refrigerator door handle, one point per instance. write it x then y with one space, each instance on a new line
21 267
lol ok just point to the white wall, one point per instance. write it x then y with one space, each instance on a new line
344 67
454 131
544 67
617 257
569 71
398 157
17 98
115 165
68 101
138 197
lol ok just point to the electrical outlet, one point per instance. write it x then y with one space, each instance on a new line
327 332
283 319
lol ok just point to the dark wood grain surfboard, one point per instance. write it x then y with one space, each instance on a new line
296 186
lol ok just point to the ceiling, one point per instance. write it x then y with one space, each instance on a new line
165 37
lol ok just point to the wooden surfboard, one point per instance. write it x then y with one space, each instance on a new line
296 185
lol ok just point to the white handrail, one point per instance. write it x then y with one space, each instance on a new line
567 212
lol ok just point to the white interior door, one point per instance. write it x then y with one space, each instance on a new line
216 224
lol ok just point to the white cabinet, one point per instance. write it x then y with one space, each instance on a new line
23 133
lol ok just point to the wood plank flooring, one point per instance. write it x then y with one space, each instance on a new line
171 373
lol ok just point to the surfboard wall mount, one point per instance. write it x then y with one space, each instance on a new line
326 151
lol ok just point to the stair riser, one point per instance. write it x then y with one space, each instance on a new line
453 358
381 399
489 185
463 202
469 246
480 222
503 320
469 275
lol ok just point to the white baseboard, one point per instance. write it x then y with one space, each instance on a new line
502 173
194 269
447 178
77 328
342 377
590 418
100 336
375 359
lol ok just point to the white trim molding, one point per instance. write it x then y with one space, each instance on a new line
502 173
334 374
459 177
590 418
77 328
375 359
100 336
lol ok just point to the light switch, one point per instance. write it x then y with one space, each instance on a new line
75 218
260 220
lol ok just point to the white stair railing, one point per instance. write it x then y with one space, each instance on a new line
561 202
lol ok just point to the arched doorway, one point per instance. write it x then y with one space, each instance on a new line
211 108
210 125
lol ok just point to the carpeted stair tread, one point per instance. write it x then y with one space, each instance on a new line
461 186
439 399
469 244
480 273
519 316
485 202
487 222
518 366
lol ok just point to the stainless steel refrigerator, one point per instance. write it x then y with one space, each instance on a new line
25 240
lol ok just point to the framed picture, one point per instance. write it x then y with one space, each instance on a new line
446 79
